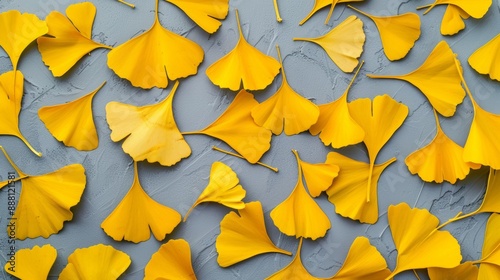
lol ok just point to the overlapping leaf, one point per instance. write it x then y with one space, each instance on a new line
485 59
476 9
465 271
490 256
453 20
33 264
206 15
320 4
294 270
171 261
319 176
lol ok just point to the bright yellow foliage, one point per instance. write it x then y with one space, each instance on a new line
294 270
206 15
490 257
171 261
32 264
476 9
320 4
465 271
453 20
485 59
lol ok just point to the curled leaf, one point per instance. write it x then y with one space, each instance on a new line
485 61
453 20
490 257
320 4
137 213
151 131
294 270
171 261
465 271
206 15
23 266
243 236
223 188
245 65
319 176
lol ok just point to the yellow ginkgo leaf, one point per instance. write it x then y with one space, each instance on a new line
398 33
437 78
45 200
440 160
363 261
453 20
171 261
69 38
11 95
137 213
485 61
151 131
72 122
319 176
155 56
249 140
294 270
206 15
286 109
418 241
335 125
299 215
379 119
33 264
243 236
223 188
320 4
476 9
348 191
490 257
100 261
343 44
18 31
245 64
465 271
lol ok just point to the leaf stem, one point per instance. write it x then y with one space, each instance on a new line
239 156
457 63
276 10
359 11
330 12
457 217
238 22
424 6
126 3
21 174
281 61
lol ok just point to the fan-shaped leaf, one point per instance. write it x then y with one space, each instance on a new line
206 15
485 59
172 261
23 266
453 20
294 270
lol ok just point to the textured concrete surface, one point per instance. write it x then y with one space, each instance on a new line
198 102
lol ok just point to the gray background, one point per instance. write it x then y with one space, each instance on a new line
198 102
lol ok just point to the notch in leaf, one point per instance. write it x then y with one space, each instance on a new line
485 61
24 268
294 270
205 15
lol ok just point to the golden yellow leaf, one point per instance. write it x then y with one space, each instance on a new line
343 44
223 188
485 61
249 140
294 270
453 20
245 64
137 213
171 261
379 119
490 258
45 200
155 56
418 241
285 109
363 261
206 15
11 95
335 125
476 9
465 271
398 33
320 4
18 31
440 160
319 176
100 261
299 215
348 191
437 78
69 38
32 264
151 131
243 236
72 122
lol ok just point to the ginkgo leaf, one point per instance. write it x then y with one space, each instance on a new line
286 109
437 78
299 215
72 122
11 95
398 33
23 266
476 9
453 20
379 119
45 200
155 56
320 4
485 61
418 241
171 261
151 131
465 271
319 176
243 236
18 31
441 159
294 270
245 64
335 125
343 44
363 261
95 262
206 15
249 140
137 213
69 38
348 190
490 257
223 188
